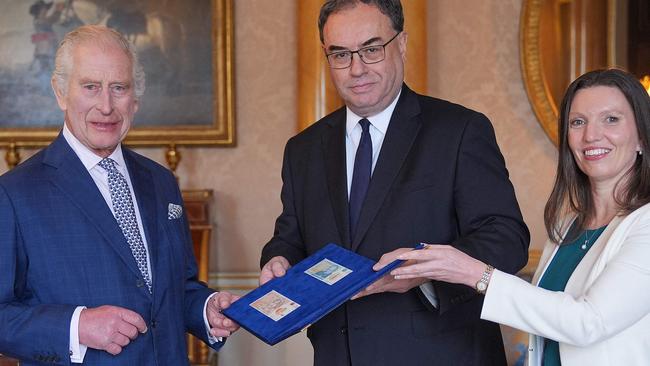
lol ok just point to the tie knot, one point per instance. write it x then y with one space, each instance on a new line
108 164
365 124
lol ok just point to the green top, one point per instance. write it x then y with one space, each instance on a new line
557 274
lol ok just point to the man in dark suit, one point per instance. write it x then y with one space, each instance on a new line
389 170
96 263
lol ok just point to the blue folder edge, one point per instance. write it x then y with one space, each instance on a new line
314 297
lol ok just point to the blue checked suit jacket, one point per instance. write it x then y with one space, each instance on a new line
61 247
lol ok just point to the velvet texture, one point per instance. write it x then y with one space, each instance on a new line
315 297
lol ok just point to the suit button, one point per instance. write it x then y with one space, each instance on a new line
139 283
153 324
344 330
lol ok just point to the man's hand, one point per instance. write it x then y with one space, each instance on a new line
220 326
388 283
109 328
275 267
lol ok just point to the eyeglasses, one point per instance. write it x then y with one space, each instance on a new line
369 55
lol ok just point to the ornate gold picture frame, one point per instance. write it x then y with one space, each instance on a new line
180 36
531 66
561 40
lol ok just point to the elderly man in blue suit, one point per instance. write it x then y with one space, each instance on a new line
96 262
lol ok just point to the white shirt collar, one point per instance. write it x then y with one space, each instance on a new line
88 158
380 120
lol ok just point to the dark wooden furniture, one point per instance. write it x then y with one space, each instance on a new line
4 361
197 207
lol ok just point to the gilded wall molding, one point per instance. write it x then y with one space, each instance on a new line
531 67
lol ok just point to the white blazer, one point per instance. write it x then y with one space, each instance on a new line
603 315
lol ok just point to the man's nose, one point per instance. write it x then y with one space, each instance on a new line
357 66
105 102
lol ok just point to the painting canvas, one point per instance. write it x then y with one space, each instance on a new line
186 86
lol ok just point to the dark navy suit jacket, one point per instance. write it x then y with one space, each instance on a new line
439 178
61 247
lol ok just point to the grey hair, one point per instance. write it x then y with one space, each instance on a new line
94 33
390 8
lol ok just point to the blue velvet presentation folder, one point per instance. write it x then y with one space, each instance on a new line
315 297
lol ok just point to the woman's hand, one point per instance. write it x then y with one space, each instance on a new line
389 283
440 263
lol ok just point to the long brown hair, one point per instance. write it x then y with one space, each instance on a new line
572 189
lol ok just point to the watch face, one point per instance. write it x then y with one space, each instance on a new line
481 286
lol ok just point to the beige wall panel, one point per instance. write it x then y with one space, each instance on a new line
474 61
246 178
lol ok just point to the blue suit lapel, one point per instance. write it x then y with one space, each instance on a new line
402 131
71 177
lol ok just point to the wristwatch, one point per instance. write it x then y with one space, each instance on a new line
482 284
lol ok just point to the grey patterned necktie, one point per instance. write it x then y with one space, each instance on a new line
125 215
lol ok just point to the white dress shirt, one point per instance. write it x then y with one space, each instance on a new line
378 127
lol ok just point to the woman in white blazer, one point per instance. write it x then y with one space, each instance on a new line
590 302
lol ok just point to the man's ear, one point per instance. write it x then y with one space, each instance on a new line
402 39
60 96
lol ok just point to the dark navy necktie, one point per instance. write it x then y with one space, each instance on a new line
360 176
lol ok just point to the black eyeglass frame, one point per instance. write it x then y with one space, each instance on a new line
383 49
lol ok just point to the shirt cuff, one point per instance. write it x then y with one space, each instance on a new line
211 338
430 293
77 350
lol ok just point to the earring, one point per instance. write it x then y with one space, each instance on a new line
639 152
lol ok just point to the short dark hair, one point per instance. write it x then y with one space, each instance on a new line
391 8
572 189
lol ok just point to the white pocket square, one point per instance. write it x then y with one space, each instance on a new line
174 211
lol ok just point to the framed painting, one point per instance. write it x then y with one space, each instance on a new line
185 47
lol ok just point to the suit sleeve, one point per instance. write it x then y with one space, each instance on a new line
196 292
490 223
30 331
287 240
617 299
491 226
